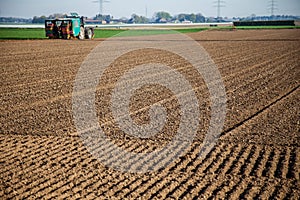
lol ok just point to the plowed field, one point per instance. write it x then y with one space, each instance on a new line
256 157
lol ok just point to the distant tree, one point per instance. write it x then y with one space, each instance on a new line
195 18
39 20
99 17
34 20
162 15
253 16
106 18
57 15
14 20
200 18
192 18
138 19
181 17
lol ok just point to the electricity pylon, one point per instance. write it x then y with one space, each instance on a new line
272 6
101 2
219 5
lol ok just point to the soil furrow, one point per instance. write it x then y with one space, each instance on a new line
256 157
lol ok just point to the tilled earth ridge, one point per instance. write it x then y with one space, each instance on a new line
257 155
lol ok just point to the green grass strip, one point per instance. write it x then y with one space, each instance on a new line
191 30
106 33
39 33
22 33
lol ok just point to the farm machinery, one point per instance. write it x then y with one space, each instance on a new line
69 27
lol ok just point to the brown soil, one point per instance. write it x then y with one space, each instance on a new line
257 156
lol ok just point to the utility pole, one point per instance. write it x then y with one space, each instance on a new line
272 6
219 4
146 11
101 2
146 8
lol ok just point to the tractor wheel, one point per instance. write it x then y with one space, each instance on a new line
81 34
89 34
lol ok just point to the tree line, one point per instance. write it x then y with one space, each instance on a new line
15 20
164 17
159 17
41 19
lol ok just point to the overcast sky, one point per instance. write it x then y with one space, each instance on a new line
124 8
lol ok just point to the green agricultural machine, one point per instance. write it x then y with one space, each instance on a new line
67 28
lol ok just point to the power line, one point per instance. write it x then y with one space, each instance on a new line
219 4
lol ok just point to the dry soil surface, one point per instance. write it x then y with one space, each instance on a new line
257 155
